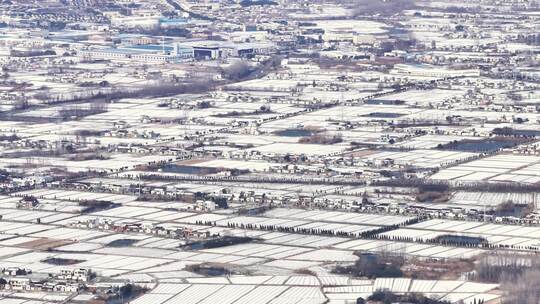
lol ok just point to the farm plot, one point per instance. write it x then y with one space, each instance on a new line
339 217
499 168
431 141
421 158
70 195
296 225
306 289
507 236
412 249
489 199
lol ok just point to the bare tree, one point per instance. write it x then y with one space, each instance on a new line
237 71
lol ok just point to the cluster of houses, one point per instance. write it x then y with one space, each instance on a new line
27 202
67 281
441 211
303 200
15 271
175 232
